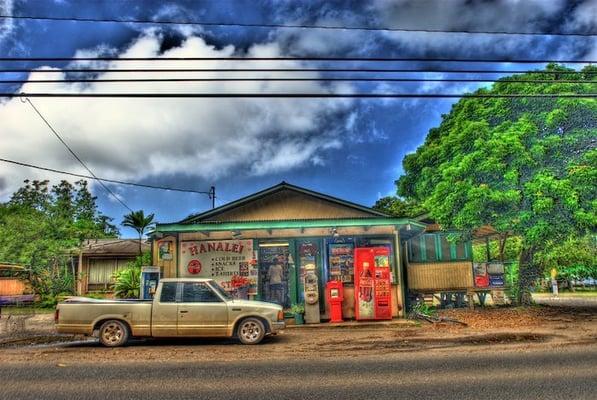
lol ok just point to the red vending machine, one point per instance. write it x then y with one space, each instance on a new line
372 286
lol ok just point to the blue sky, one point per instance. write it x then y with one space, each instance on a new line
347 148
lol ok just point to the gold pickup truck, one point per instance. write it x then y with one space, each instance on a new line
180 308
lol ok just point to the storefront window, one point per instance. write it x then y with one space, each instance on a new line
435 247
274 272
341 261
341 255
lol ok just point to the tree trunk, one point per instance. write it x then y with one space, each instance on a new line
140 238
503 239
527 275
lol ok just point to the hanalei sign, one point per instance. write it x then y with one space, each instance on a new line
229 262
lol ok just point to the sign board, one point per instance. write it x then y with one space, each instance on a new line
231 263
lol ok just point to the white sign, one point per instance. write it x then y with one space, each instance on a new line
231 263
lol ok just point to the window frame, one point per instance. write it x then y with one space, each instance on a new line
176 293
217 297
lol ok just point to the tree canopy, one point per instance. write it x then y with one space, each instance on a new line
524 166
397 207
40 225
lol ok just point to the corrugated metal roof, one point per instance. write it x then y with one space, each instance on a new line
274 189
113 246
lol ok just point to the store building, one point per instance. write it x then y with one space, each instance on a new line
262 246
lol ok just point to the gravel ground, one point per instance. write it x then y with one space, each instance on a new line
509 327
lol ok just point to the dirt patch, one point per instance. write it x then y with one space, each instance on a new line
32 340
491 329
400 342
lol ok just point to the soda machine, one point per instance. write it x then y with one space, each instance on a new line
372 283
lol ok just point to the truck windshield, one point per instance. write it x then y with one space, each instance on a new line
220 290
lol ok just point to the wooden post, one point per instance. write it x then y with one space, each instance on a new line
80 273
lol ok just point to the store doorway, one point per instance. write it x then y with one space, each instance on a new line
274 272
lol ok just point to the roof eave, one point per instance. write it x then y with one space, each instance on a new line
273 189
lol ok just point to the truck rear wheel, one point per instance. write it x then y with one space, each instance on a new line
113 333
250 331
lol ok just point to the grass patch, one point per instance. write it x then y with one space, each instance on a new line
579 293
25 310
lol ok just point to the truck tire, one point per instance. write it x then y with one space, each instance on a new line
113 333
250 331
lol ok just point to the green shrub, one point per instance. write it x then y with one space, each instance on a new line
127 283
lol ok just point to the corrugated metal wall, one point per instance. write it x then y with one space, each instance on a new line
440 276
11 287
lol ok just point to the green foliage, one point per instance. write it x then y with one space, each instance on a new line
139 222
511 250
127 283
128 280
574 258
39 227
50 300
297 309
527 167
397 207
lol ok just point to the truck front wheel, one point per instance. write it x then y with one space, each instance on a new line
250 331
113 333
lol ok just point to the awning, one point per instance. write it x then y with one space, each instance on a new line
408 228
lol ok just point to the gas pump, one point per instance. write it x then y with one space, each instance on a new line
334 292
150 276
311 295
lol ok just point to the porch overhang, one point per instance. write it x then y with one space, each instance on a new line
407 228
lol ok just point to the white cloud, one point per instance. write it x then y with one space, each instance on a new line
506 15
131 139
7 25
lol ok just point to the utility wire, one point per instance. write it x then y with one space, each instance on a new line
110 192
291 26
383 70
303 95
348 79
299 58
102 179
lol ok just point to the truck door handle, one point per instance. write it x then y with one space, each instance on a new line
183 311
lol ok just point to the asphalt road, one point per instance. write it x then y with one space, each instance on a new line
564 373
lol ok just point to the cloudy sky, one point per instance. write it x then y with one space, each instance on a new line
347 148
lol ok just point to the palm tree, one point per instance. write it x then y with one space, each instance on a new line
139 222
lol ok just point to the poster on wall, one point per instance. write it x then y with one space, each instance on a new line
165 250
341 261
231 263
307 258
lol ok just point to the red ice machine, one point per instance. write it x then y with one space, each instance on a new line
372 286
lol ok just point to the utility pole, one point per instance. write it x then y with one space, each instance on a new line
212 196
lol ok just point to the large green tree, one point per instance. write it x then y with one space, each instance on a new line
396 207
525 166
40 225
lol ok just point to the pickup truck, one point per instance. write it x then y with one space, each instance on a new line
181 307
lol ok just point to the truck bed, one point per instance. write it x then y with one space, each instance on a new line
84 315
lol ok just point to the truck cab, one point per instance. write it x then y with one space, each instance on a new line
181 307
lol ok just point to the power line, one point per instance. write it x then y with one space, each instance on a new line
303 95
348 79
110 192
340 59
293 26
102 179
379 70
